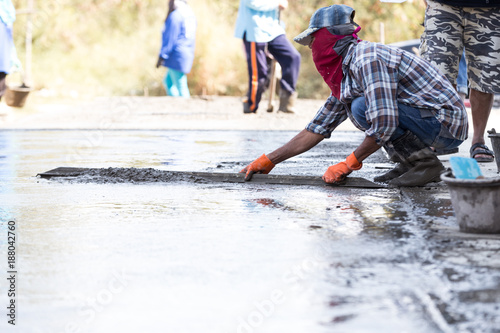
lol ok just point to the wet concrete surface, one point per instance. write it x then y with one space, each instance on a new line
99 256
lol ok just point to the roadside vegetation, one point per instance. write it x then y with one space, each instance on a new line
110 47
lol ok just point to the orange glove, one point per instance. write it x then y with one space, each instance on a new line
261 165
338 172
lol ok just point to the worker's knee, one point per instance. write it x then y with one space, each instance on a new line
358 109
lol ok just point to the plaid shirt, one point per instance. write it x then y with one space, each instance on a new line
386 76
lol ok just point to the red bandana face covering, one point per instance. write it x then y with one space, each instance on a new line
327 61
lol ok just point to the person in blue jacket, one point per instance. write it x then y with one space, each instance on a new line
259 26
177 48
7 50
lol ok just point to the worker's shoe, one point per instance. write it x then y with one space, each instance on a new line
399 151
246 108
400 169
287 101
425 168
405 146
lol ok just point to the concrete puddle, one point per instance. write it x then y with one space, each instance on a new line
101 256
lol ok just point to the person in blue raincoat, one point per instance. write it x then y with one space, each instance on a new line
177 48
8 58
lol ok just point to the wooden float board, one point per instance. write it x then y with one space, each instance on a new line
231 177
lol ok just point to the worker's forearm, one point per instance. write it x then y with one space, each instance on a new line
366 148
302 142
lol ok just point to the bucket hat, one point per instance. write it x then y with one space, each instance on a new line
326 17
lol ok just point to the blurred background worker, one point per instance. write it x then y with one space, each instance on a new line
258 24
7 49
177 48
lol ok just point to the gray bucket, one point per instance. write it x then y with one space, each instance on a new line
495 142
476 203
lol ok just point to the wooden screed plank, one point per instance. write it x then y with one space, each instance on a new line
215 177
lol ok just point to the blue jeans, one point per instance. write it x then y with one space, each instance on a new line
462 86
428 129
176 84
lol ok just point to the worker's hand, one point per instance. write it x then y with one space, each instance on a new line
261 165
159 62
338 172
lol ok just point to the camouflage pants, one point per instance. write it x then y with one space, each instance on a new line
449 29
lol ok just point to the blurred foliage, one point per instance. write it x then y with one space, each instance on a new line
110 47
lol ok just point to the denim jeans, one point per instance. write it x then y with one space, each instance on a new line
428 129
462 85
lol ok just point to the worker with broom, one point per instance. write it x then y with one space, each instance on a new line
258 25
400 101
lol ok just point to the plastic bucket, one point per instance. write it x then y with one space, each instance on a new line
476 203
495 142
16 96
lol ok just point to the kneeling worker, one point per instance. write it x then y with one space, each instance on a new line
399 100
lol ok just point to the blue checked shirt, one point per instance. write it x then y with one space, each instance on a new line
386 76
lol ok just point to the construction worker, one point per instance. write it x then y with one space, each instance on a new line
259 26
177 47
399 100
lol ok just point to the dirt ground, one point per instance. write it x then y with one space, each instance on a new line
210 113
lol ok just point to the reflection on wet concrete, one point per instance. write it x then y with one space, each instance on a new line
204 257
270 203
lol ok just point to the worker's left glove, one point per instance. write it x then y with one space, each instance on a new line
261 165
338 172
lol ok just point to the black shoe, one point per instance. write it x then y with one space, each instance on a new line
246 108
481 149
399 170
287 102
426 168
